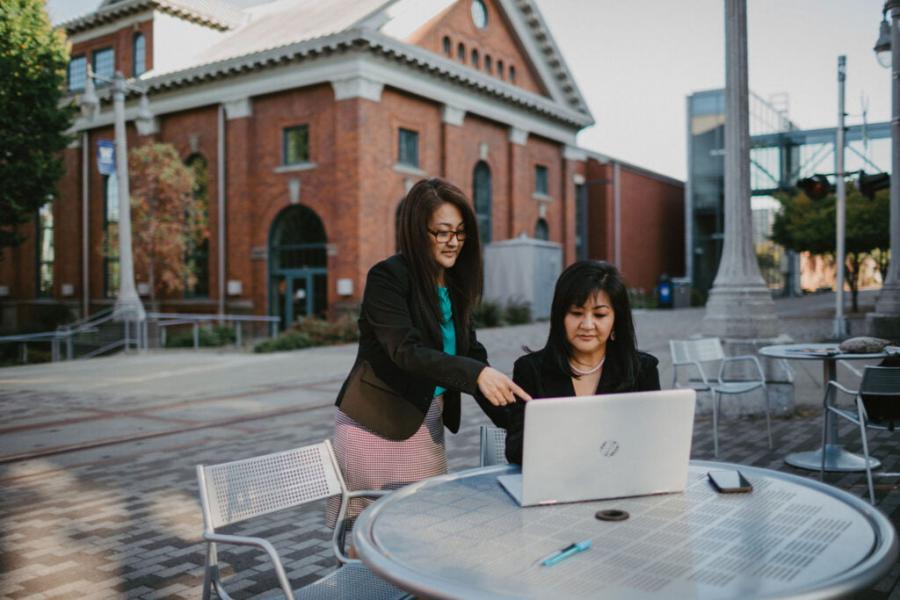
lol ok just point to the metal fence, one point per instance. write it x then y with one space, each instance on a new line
102 333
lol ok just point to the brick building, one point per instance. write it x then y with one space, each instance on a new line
308 121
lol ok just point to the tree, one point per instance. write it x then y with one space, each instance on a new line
33 59
168 219
806 225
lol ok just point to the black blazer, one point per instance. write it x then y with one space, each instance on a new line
400 360
536 374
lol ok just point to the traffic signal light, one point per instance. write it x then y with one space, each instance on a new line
869 184
816 187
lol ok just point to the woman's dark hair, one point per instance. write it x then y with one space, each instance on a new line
574 287
464 280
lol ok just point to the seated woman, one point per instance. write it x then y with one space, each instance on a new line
591 348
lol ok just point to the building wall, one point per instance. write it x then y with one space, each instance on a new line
354 183
495 40
651 222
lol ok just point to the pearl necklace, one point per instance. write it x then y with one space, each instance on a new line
590 371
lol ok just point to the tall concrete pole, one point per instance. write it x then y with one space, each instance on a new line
840 324
740 305
885 321
128 304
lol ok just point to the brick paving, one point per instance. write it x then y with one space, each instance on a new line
121 519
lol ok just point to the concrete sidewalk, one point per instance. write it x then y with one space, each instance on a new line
97 458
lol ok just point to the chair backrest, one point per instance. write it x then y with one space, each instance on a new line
705 349
493 446
880 392
700 350
679 351
238 490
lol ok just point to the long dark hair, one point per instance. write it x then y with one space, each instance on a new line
575 285
464 280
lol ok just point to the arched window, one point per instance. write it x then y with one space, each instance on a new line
448 47
512 74
461 52
541 230
500 72
197 250
482 194
488 64
474 58
138 55
298 265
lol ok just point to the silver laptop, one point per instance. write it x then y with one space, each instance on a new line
608 446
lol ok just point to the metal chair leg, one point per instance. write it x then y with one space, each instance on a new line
716 424
865 443
768 416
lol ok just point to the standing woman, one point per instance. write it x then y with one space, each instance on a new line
417 349
591 348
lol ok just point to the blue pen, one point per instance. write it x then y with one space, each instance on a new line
566 553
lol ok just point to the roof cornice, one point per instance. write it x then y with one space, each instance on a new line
119 10
366 40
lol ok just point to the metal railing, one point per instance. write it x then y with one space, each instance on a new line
135 335
165 320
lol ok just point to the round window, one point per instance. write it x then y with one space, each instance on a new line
479 14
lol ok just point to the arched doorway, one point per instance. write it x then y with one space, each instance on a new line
298 274
481 192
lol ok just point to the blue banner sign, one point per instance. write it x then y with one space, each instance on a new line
106 157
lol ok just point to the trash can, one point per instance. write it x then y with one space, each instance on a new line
664 291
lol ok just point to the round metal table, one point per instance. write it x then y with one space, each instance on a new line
836 458
462 536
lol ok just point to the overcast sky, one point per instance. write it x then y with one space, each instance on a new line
636 62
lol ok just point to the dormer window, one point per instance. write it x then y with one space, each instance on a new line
138 55
479 14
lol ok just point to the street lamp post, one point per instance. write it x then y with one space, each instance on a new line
885 321
128 305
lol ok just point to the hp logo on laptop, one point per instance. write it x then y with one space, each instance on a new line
609 448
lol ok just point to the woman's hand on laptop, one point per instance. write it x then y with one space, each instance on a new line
499 389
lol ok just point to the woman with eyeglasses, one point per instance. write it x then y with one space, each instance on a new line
417 349
591 348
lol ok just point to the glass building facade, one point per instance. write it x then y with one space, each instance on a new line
706 175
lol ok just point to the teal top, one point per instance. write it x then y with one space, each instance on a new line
447 330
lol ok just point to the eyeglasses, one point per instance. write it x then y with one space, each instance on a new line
444 236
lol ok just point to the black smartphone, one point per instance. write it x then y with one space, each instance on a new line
729 482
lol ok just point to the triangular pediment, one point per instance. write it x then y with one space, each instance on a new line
502 33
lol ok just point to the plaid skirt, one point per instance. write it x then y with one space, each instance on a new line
369 461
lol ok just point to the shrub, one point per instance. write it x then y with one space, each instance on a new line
320 332
640 298
487 314
289 340
517 312
209 337
309 331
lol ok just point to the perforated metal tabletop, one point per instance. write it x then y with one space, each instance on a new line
462 536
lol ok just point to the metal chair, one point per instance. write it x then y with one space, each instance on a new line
493 446
693 353
240 490
877 407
